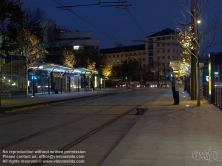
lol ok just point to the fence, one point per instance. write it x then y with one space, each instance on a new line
13 83
216 97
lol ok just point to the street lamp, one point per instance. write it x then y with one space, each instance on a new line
193 88
198 65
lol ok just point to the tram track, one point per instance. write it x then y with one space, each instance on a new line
53 128
71 131
77 140
16 109
85 136
55 104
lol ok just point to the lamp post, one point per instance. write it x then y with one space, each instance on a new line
193 90
198 65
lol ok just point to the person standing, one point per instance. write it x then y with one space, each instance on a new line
92 86
53 87
175 90
85 84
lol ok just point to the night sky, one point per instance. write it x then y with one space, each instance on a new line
111 25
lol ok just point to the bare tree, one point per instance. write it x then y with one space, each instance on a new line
54 42
29 37
197 37
158 72
10 16
205 35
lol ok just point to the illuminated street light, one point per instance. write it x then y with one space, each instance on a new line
198 65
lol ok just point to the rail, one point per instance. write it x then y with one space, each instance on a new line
6 92
216 99
217 96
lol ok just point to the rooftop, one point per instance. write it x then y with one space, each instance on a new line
123 49
164 32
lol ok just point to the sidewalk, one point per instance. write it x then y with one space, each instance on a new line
172 135
21 102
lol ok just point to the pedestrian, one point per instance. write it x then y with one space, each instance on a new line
53 87
175 90
85 84
92 86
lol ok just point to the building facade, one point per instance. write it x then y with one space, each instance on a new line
121 54
162 47
158 50
58 40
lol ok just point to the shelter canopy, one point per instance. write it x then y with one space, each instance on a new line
51 67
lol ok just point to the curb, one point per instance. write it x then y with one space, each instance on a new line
15 109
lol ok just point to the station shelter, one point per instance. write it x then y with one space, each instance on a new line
41 76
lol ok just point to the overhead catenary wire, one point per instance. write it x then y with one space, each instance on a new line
120 5
126 7
136 22
69 9
101 4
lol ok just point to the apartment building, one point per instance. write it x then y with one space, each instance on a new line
79 39
162 48
57 40
157 51
121 54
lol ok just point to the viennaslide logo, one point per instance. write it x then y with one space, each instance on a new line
208 155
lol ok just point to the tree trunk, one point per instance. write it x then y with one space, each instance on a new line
27 87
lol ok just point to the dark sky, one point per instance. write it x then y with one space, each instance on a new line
111 25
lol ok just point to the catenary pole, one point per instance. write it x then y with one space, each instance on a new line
193 91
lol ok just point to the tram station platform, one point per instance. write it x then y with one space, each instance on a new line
19 102
172 135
